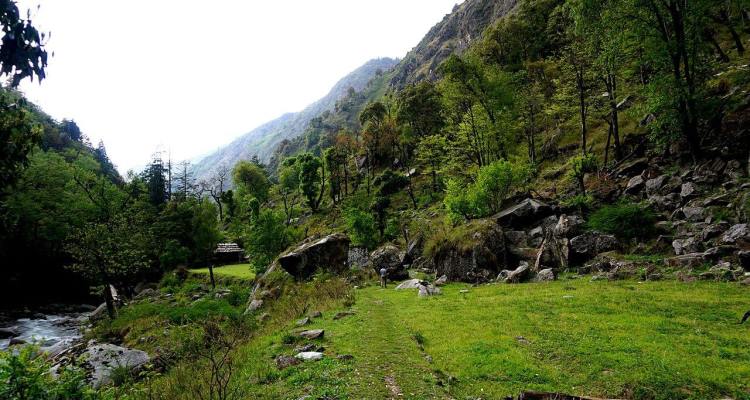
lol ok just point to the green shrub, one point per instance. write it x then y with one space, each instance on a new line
173 255
494 184
580 202
25 375
266 237
624 220
361 227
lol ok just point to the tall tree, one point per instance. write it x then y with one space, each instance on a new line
251 179
312 179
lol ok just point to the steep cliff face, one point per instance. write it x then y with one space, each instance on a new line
262 140
452 35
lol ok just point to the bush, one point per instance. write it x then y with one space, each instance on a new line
173 255
266 237
24 375
493 185
579 202
361 227
624 220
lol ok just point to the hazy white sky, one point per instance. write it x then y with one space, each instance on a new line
189 76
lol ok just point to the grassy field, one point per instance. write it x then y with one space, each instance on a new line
243 271
655 340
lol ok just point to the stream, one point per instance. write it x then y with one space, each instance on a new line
52 332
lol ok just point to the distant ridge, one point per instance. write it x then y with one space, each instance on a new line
262 140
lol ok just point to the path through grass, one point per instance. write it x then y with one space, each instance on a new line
656 340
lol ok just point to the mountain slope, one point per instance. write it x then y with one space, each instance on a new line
263 140
452 35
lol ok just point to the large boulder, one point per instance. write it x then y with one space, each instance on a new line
330 253
390 258
103 358
523 213
588 245
474 255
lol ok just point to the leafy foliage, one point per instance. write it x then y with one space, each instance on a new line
624 220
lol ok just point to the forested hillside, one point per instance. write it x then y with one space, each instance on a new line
546 199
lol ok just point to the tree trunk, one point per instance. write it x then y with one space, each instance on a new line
735 36
606 148
615 119
582 106
711 37
211 274
110 301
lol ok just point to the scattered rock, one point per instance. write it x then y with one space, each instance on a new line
303 321
310 356
686 246
103 358
653 186
522 340
342 314
330 252
283 362
721 272
688 191
738 235
545 275
312 334
345 357
315 314
254 305
410 284
518 275
694 214
687 261
441 281
635 185
17 342
428 290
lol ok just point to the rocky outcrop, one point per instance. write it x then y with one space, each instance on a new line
330 254
523 214
477 255
390 258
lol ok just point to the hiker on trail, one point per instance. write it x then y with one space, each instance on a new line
383 272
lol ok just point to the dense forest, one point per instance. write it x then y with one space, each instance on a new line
570 138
